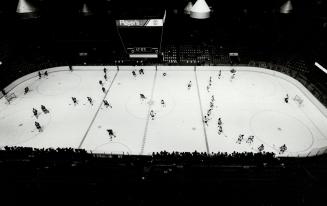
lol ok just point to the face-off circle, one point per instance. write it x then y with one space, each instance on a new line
276 128
161 104
60 83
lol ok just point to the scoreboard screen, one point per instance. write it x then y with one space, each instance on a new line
141 38
143 52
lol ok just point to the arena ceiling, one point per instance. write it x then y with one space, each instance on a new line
303 7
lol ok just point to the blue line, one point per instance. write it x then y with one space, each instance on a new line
204 127
96 114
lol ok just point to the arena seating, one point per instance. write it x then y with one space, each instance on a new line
73 176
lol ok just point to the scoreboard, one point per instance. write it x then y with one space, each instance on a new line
143 52
141 38
139 23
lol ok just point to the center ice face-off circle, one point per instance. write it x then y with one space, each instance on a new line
138 107
275 129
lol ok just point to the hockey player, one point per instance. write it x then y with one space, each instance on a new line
40 75
35 112
105 70
220 129
219 121
189 85
152 114
282 149
205 120
26 90
90 100
250 139
212 98
164 74
219 74
211 104
141 71
240 139
111 134
209 112
100 82
261 148
74 100
232 77
46 73
70 68
103 90
163 103
134 73
286 98
105 77
44 109
106 103
142 96
210 80
38 126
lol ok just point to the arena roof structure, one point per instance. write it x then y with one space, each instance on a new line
26 9
86 11
200 10
137 13
286 7
187 9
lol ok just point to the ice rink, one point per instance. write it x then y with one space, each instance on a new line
249 102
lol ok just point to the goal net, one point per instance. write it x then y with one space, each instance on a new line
10 97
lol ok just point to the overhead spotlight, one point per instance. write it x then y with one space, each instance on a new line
286 8
200 10
25 7
187 9
85 11
26 10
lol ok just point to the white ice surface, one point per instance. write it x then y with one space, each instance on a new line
251 104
